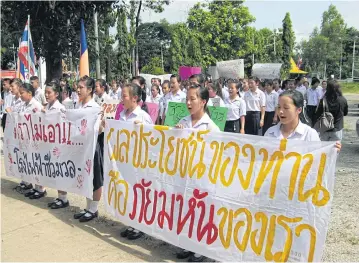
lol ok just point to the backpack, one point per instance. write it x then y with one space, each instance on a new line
326 121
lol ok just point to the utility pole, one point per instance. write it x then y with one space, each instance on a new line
97 47
70 52
353 59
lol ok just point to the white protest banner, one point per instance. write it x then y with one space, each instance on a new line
231 69
230 197
216 102
266 71
52 149
109 107
69 104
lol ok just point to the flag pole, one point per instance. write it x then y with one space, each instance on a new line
28 46
18 61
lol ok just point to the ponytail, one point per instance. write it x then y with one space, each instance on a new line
143 97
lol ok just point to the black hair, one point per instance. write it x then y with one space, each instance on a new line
177 77
199 77
68 90
299 78
141 80
324 81
333 91
7 79
284 83
56 88
278 80
298 101
203 93
216 86
269 82
89 83
166 82
34 78
103 84
29 88
157 87
315 80
63 79
16 81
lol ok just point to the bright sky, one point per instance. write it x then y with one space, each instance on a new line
305 15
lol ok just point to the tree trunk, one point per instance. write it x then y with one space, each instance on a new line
53 66
135 70
108 59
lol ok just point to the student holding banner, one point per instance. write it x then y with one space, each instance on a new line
101 92
16 103
132 94
293 124
197 99
236 110
29 105
85 90
255 106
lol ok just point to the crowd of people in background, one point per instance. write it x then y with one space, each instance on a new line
273 108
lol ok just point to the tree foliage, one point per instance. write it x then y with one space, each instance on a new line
153 67
288 39
123 54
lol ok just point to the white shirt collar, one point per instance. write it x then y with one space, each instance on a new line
299 130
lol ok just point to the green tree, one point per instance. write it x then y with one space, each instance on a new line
288 39
123 55
153 67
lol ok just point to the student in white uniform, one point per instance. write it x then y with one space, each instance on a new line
255 108
175 94
5 102
292 125
66 100
101 92
313 97
141 81
29 105
115 92
270 118
85 90
74 96
236 110
155 94
132 94
16 102
162 101
215 92
197 99
39 93
276 86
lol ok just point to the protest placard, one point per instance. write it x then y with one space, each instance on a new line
231 69
186 72
177 111
216 101
230 197
53 149
266 71
109 107
153 109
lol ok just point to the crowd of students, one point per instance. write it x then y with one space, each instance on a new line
273 108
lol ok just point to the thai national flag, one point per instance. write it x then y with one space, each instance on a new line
26 54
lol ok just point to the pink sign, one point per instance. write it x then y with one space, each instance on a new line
186 72
152 110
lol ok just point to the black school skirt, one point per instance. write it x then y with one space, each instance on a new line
98 163
252 122
233 126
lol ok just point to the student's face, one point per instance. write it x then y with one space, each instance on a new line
64 95
6 85
14 89
165 89
252 84
135 81
25 95
288 112
82 91
174 85
291 85
194 81
232 90
154 92
98 89
114 84
194 103
211 92
127 100
245 84
315 85
51 95
268 88
157 82
324 84
306 84
275 84
35 83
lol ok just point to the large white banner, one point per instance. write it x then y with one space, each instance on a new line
266 71
53 149
231 68
227 196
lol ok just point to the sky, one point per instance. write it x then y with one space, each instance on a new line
305 15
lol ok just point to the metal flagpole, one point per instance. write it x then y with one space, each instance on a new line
28 48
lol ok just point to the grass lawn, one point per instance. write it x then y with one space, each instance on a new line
350 87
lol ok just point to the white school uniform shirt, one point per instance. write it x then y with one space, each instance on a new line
74 97
280 91
205 123
178 97
225 93
40 96
221 102
8 97
236 108
101 100
254 100
271 101
302 133
55 106
162 105
302 89
115 95
90 104
154 100
137 115
29 107
313 97
16 104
